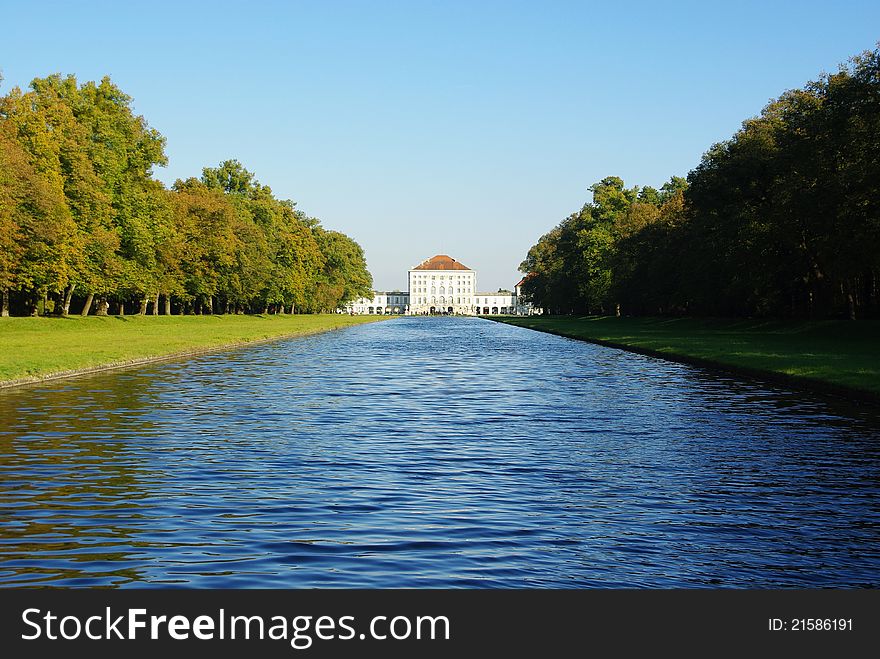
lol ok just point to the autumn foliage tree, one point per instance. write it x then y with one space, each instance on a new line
83 221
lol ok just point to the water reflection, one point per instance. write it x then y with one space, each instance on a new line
434 452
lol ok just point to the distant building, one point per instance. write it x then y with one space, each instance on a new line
392 302
500 302
524 308
441 285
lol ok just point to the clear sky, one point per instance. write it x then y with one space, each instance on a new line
466 128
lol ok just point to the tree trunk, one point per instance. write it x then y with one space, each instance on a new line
266 310
103 306
167 304
156 304
210 305
65 306
143 309
5 307
121 307
87 305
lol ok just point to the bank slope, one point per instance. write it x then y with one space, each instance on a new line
35 349
835 356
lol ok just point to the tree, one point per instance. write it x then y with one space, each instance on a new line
36 229
781 219
205 220
344 275
81 215
231 177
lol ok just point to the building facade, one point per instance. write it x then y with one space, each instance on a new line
442 285
493 304
391 302
523 308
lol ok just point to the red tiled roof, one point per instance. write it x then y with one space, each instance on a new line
441 262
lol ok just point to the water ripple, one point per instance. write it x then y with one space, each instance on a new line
435 452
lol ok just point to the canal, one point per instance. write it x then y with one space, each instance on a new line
435 452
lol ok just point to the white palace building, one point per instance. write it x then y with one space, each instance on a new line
442 285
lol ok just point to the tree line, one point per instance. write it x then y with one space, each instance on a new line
86 228
782 219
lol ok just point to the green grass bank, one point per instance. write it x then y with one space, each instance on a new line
834 356
33 349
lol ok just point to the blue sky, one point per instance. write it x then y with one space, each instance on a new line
468 128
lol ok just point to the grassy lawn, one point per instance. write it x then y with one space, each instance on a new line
841 354
39 347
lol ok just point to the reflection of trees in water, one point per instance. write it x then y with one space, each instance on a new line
72 483
781 442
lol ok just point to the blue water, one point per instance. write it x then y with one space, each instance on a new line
435 452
